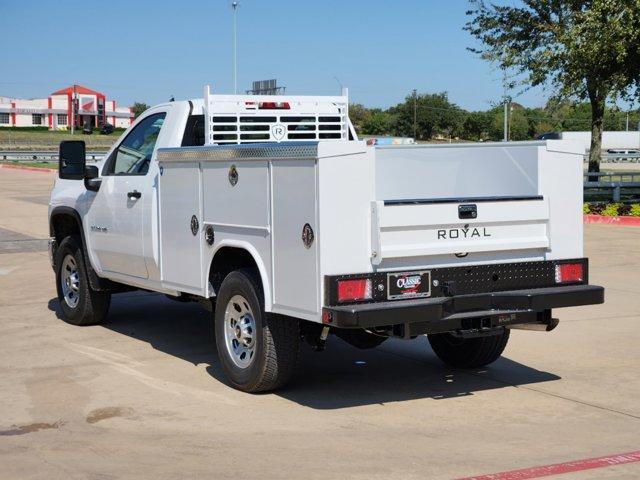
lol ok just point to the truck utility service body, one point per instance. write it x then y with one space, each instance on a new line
323 232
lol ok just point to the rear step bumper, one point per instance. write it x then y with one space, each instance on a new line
464 312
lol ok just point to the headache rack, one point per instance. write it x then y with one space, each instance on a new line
233 119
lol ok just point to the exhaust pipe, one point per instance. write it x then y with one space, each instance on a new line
537 327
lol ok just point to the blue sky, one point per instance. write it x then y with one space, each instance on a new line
147 50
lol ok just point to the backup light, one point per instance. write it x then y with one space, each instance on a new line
569 272
351 290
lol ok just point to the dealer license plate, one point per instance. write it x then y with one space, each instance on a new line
408 285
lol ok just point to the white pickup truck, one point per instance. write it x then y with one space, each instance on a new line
272 214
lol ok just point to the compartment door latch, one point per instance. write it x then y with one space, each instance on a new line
467 211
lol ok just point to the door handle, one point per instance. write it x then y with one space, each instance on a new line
134 194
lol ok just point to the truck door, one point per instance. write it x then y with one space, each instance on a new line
124 201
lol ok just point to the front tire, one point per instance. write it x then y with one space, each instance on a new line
258 351
80 304
469 352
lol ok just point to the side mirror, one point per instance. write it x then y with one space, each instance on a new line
91 180
72 160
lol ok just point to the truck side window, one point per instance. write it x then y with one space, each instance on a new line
194 131
133 155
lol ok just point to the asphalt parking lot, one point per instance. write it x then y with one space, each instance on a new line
142 396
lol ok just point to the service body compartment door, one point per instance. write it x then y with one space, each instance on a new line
295 264
181 227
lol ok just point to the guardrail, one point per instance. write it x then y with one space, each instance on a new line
619 158
24 156
613 182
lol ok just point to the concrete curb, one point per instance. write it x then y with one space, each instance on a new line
30 169
622 221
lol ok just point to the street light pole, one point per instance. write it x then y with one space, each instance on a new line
506 109
73 111
234 6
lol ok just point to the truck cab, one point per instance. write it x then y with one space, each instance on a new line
270 213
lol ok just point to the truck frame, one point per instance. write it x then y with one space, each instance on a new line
272 214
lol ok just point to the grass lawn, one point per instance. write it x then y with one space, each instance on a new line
44 140
53 165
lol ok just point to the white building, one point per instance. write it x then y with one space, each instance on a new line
55 111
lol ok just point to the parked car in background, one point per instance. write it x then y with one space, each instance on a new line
106 129
550 136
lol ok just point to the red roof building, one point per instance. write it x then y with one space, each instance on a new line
82 105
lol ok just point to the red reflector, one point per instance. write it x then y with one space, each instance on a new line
569 272
350 290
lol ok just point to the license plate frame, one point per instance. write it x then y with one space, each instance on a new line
396 292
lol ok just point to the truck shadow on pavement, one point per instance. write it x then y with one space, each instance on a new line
340 377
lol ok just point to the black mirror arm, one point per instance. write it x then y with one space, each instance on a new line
92 181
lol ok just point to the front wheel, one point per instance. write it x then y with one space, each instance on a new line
80 304
469 352
258 351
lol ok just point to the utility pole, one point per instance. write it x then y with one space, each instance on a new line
415 114
73 110
234 7
627 121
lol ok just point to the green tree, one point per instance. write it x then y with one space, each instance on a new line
358 114
138 108
378 122
587 49
434 115
477 126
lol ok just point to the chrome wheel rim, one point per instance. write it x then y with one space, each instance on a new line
240 331
70 281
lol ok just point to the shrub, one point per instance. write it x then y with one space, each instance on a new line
624 209
596 208
585 208
635 210
610 210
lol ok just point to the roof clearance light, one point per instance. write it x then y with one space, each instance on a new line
569 272
352 290
274 106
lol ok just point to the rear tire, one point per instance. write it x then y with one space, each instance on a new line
468 352
258 351
80 304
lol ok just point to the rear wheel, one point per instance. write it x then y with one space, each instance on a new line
468 352
258 351
80 304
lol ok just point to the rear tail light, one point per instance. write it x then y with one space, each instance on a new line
569 272
352 290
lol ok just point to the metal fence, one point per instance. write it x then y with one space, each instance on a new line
612 185
24 156
620 158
